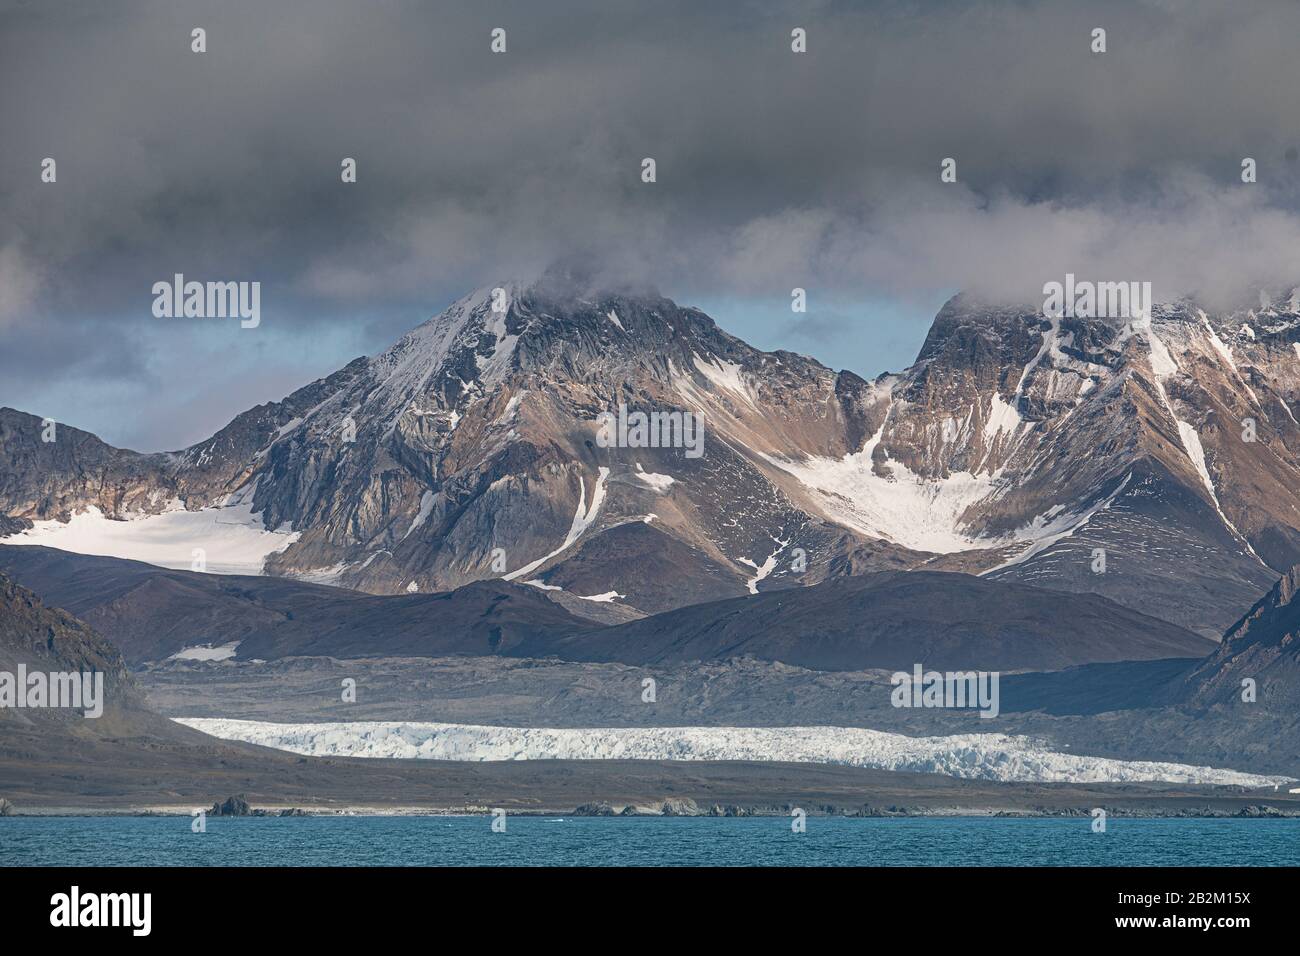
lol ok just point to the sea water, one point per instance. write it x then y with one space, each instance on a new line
646 841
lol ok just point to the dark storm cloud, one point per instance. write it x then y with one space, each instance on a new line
774 169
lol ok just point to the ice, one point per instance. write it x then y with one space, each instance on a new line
582 520
426 508
999 757
206 652
605 598
659 482
907 508
232 537
727 376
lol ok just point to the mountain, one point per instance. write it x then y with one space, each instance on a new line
49 640
476 433
1138 433
52 639
1017 446
893 620
1082 438
1264 646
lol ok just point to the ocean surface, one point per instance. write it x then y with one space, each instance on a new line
645 841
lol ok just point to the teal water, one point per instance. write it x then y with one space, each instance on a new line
649 841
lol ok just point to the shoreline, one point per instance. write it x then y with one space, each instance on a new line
1254 811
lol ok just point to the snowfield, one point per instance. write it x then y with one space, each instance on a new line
970 756
232 538
907 508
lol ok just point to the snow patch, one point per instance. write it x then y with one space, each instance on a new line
1054 525
1003 416
766 568
582 520
1195 451
426 508
206 652
660 483
1196 454
727 376
512 408
1225 353
1162 363
1050 347
329 575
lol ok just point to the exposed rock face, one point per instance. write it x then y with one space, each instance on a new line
594 810
232 807
1263 647
1017 445
13 525
51 639
679 807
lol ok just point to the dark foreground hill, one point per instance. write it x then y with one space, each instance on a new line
894 619
885 620
151 613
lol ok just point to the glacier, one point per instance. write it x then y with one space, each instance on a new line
985 756
231 535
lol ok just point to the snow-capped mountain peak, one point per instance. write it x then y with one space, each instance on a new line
1019 444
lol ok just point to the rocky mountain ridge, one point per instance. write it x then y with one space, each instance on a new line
1155 460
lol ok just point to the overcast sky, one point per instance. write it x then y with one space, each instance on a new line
775 170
